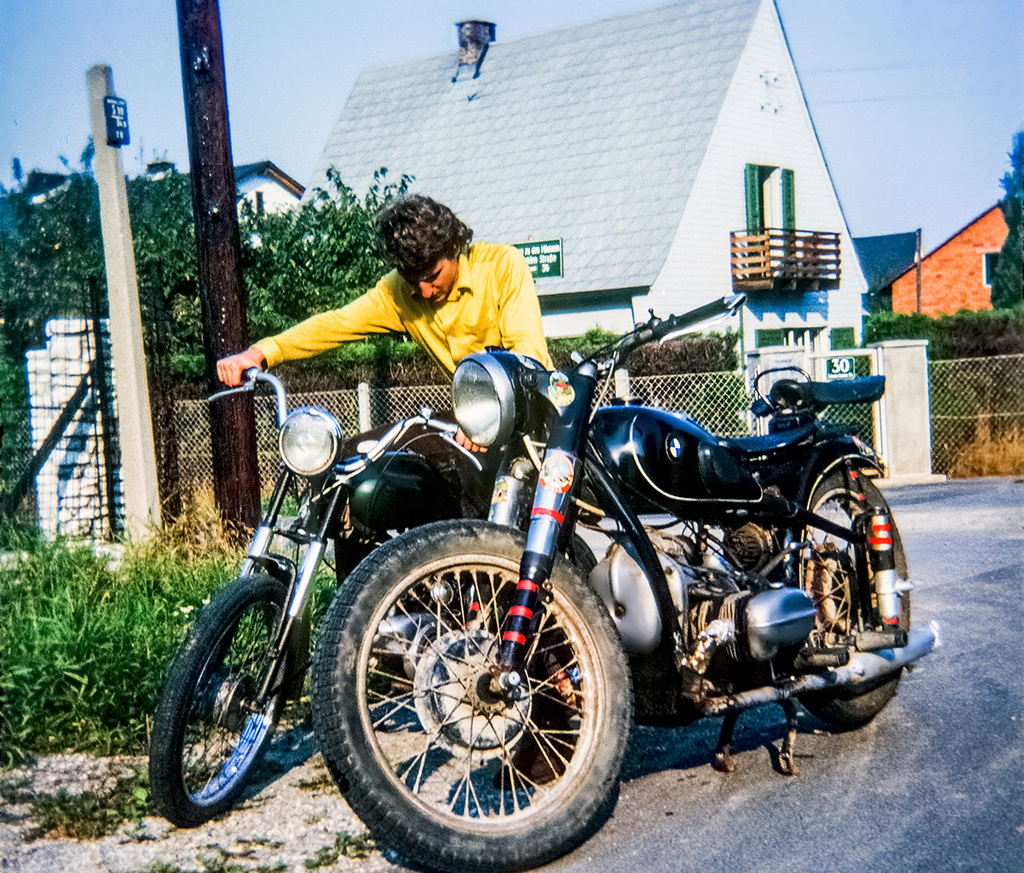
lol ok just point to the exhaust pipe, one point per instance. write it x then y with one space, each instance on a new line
864 667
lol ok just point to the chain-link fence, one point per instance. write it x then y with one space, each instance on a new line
977 408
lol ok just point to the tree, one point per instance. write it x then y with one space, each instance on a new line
316 257
1008 282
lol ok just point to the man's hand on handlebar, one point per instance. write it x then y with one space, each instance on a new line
231 369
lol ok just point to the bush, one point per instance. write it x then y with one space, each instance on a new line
965 334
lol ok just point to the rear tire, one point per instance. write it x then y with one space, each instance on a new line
208 731
848 708
433 763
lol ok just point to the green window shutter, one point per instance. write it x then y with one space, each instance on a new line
843 337
769 336
755 210
788 200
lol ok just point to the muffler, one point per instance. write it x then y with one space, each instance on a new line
864 667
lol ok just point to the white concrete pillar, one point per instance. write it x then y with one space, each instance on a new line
906 410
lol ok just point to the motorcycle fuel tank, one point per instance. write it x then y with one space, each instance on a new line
400 491
668 461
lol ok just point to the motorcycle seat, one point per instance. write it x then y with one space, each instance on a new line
759 445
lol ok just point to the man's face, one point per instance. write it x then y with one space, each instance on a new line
436 285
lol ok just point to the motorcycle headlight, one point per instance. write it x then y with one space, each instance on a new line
310 439
484 401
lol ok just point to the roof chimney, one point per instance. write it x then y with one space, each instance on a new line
474 38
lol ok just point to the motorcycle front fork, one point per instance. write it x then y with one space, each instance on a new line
317 514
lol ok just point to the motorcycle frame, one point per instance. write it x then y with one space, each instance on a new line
553 519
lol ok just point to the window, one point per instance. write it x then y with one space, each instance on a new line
991 262
771 198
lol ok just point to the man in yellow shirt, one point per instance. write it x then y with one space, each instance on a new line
452 296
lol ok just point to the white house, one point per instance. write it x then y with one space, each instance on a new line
653 160
267 187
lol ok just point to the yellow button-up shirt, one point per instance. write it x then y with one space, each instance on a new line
493 303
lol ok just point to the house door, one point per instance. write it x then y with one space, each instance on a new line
771 198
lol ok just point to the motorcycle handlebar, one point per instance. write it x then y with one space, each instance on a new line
249 379
660 330
712 311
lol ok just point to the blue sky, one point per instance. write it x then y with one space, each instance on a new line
915 101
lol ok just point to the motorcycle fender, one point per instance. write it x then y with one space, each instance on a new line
852 461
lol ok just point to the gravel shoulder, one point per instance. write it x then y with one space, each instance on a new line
289 822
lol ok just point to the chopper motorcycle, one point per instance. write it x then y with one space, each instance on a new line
473 691
248 651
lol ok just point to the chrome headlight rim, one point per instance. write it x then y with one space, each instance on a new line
315 423
499 428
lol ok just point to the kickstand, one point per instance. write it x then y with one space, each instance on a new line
787 757
723 754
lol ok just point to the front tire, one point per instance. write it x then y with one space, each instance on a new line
833 587
433 763
209 729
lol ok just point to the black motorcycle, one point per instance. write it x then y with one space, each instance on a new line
473 691
247 653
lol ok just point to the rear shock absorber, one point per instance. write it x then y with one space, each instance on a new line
883 566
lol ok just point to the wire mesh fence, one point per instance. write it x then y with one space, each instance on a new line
977 411
977 408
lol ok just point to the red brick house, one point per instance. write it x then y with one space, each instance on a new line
958 274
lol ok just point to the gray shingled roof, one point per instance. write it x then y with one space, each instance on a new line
592 134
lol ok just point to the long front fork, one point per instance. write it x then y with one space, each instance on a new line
552 502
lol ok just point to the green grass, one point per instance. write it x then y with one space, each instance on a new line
84 644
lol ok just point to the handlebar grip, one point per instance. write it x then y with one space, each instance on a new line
714 309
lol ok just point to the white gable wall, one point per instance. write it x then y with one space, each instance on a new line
765 121
276 198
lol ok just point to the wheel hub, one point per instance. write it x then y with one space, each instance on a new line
454 699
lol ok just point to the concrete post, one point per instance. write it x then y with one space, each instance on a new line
363 398
135 426
906 410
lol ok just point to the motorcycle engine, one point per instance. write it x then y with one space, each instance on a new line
750 545
763 618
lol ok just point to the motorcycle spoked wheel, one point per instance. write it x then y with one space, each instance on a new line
433 763
831 583
208 731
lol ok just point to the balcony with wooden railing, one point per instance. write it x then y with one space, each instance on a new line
785 260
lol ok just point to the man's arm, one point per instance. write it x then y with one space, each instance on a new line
372 313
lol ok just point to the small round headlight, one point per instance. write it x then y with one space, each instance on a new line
483 398
309 440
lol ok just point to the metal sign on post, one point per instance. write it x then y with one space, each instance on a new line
839 367
544 258
115 113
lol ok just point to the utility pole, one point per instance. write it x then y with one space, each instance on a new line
917 267
138 457
236 481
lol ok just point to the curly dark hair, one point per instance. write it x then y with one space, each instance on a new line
417 232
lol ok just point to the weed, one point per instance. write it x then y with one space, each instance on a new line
988 455
162 867
86 643
89 816
321 783
262 842
345 846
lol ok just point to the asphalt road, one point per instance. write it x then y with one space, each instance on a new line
934 783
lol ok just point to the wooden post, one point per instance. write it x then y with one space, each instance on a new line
236 481
917 268
138 457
